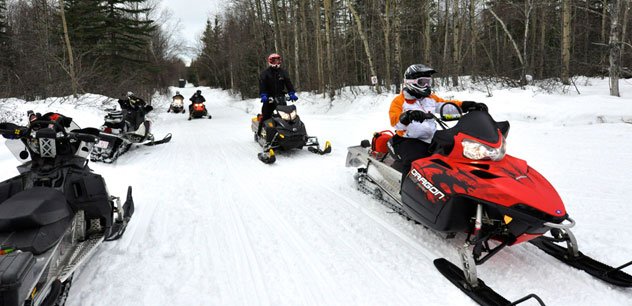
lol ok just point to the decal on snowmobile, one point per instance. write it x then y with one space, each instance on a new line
426 185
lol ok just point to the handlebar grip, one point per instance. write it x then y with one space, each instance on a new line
451 117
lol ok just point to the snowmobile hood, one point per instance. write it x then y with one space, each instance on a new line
507 182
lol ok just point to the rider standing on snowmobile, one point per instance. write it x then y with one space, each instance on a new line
272 84
135 108
411 115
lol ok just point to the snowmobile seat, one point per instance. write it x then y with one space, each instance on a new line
34 220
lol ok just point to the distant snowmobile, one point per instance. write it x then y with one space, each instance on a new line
198 110
284 130
54 215
469 185
177 106
121 130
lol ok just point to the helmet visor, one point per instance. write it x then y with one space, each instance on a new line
275 61
422 81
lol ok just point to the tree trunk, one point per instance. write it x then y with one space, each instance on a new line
473 30
426 32
387 47
523 74
367 50
445 40
615 47
71 68
319 46
398 44
455 43
515 46
278 35
566 41
297 75
330 57
542 43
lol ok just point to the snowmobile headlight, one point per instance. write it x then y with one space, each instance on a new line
478 151
293 115
285 116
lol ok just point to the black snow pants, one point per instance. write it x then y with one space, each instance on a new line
409 150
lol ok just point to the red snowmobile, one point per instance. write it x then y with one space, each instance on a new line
469 185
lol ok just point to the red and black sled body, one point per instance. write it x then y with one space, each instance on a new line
469 185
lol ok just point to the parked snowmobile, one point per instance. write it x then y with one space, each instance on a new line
177 106
284 130
470 185
121 130
198 110
54 214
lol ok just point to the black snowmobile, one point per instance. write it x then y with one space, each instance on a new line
54 214
121 130
284 130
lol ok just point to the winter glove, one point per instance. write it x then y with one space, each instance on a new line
264 98
293 96
467 106
414 115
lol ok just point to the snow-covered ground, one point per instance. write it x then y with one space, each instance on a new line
215 226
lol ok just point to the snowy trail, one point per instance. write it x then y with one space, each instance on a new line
215 226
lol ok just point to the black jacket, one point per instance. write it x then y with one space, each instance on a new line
273 81
197 98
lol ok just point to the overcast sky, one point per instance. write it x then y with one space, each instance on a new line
193 15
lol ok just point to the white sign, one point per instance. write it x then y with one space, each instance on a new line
374 79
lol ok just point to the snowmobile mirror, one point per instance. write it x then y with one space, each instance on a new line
24 154
365 143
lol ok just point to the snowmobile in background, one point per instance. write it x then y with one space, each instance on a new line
469 185
198 110
54 214
177 106
284 130
121 130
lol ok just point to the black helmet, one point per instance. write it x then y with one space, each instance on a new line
418 80
199 92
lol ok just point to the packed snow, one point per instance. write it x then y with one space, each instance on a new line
215 226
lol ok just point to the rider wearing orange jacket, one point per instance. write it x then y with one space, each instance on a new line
411 115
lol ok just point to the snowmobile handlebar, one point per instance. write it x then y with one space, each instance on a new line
14 131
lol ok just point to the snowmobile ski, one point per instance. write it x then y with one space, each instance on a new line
165 139
604 272
267 157
482 294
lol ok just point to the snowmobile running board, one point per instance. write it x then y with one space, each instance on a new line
482 294
604 272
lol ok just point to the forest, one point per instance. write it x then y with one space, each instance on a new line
111 47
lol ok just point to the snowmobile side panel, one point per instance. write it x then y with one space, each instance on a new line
16 275
86 191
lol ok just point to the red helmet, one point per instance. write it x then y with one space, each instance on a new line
274 60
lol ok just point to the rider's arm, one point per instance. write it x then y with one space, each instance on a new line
396 110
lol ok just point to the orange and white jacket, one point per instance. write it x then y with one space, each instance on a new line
420 130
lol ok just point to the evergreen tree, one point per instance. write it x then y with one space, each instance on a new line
127 33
